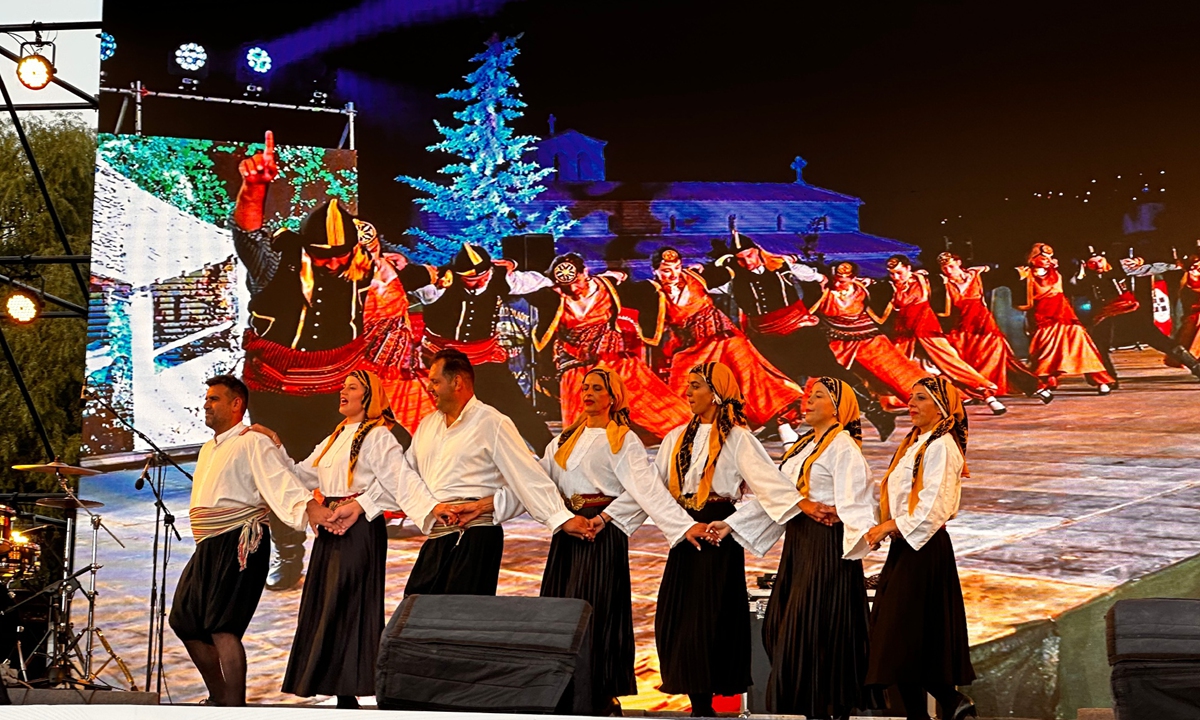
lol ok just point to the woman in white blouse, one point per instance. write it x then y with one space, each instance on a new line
815 630
702 627
604 474
341 609
919 625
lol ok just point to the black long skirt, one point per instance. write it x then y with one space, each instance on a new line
459 564
598 572
214 594
341 614
816 630
919 623
702 627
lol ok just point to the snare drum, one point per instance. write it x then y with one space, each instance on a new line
19 558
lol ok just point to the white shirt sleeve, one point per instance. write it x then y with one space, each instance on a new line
523 282
305 470
938 499
283 491
417 505
428 294
803 272
854 496
776 493
528 481
644 494
754 529
385 457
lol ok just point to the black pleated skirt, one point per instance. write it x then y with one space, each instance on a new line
816 629
702 627
341 614
598 572
459 564
919 623
214 594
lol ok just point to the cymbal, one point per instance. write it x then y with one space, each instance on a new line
68 503
57 467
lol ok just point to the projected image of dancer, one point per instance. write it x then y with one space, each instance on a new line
855 337
605 475
701 628
481 473
919 624
916 327
677 299
815 631
307 292
581 317
461 310
239 479
780 325
359 470
1059 345
1115 299
976 335
1189 296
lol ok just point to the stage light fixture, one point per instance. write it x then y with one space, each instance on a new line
253 91
319 98
34 70
258 60
108 46
23 307
191 57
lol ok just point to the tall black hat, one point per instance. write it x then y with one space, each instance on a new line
742 242
471 260
331 231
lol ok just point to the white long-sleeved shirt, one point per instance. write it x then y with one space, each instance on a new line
743 461
236 470
841 478
379 475
626 475
479 455
940 492
520 282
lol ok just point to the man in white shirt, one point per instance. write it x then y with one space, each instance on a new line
239 479
480 472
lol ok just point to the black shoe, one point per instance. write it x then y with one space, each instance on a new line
1045 395
285 574
965 708
347 702
884 422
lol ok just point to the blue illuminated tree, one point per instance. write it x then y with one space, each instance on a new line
495 175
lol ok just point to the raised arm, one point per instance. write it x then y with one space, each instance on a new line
522 473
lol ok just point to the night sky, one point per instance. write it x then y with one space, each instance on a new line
928 111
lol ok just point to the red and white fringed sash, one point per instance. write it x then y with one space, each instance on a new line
210 521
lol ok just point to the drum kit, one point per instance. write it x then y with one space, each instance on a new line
69 654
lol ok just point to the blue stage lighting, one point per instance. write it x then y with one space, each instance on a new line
108 46
258 59
191 57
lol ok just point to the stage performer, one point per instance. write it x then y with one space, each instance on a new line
605 475
976 335
1111 295
677 299
1059 344
1189 297
476 465
461 309
815 631
855 337
239 478
307 292
776 319
359 467
917 327
919 624
702 628
581 315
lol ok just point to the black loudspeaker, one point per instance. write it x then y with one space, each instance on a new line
530 252
1154 651
473 653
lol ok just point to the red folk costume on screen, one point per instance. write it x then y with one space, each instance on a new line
976 335
589 329
855 337
1189 297
916 326
1059 345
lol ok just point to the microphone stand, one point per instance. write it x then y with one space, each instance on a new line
164 521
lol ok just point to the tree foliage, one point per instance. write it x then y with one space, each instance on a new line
49 351
495 174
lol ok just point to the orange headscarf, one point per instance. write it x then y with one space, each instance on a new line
846 411
618 417
378 412
730 412
954 422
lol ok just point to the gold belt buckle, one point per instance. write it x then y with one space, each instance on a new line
576 502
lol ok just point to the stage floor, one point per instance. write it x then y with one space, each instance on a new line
1064 503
